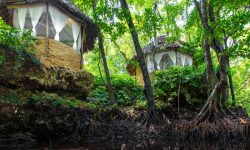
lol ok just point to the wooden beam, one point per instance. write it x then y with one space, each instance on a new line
81 60
47 31
82 48
25 5
83 43
25 2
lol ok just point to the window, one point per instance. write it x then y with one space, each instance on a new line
165 62
41 27
186 62
28 24
179 60
66 35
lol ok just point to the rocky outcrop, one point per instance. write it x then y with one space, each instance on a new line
25 71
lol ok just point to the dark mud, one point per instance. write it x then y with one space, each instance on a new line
149 144
45 126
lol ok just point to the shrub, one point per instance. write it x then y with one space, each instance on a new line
240 73
126 88
166 84
16 39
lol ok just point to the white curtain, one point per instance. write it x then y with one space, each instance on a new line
183 58
15 19
172 56
76 30
150 63
79 44
35 14
59 20
21 16
158 59
190 61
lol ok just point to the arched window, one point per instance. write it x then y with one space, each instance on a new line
165 62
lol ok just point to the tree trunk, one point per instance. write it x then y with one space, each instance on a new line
105 65
215 107
148 90
229 73
216 45
231 85
211 77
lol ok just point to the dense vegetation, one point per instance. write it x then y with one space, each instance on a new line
216 86
180 21
120 51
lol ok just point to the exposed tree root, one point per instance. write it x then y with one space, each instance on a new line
150 119
155 119
213 110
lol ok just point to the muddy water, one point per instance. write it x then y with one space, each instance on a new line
150 145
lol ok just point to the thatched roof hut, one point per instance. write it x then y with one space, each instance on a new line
160 55
58 20
66 6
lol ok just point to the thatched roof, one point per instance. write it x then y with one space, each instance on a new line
70 9
162 45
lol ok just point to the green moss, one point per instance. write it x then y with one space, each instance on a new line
15 98
11 98
141 105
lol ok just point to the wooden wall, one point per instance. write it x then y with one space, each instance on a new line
139 75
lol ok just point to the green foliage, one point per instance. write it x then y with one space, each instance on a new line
166 82
44 98
2 59
12 98
231 20
127 90
240 72
55 100
141 105
16 39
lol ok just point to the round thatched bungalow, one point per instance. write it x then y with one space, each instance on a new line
64 31
160 55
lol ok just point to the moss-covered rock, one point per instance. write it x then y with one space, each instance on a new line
25 71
